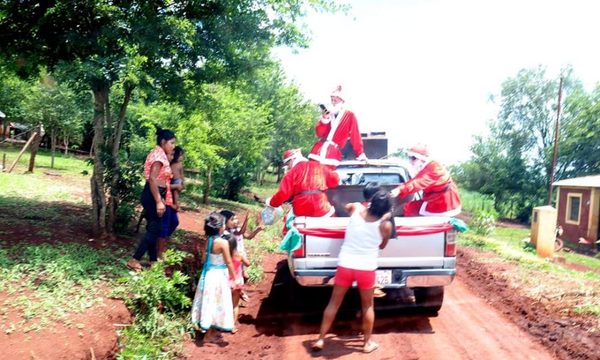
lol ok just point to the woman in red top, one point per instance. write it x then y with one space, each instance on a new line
156 194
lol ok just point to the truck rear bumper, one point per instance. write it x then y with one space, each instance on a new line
400 277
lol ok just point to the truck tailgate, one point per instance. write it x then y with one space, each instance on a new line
406 251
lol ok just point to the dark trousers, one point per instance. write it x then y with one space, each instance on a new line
153 225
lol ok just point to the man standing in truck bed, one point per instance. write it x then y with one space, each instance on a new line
440 194
305 184
336 126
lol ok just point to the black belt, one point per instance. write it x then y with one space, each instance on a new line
310 192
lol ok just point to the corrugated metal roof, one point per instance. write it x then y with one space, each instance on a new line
584 181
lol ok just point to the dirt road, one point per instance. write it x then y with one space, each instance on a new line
466 328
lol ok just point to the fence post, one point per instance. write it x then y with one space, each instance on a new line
22 151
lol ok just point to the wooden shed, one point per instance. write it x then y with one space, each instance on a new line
578 205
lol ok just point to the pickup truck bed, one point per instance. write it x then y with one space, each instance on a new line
422 257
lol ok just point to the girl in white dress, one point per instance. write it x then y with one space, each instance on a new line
212 307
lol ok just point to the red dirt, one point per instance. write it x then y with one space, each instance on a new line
94 330
482 317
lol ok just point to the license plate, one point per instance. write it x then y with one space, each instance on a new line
383 277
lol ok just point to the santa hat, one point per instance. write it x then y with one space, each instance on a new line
419 151
338 92
291 154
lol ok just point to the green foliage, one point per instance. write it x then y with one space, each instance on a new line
13 92
472 201
513 162
59 279
238 124
483 222
160 305
164 50
580 135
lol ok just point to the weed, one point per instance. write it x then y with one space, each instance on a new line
55 280
484 222
161 308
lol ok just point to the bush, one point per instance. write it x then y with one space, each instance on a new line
161 308
484 222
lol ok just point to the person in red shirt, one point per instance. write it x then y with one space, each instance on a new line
335 127
440 194
304 184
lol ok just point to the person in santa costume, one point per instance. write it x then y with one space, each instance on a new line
304 184
440 194
335 127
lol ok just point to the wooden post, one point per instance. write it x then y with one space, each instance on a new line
22 151
555 151
4 162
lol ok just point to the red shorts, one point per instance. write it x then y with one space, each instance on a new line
365 279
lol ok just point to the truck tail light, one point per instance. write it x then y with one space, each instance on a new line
300 252
450 243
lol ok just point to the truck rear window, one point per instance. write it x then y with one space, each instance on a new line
383 179
364 178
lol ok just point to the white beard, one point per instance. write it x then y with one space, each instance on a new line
418 165
334 109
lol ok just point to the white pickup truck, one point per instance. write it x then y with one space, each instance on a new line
422 257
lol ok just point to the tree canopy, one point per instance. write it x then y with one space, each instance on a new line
162 48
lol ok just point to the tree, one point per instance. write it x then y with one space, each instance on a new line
291 118
513 162
579 151
159 44
13 91
54 106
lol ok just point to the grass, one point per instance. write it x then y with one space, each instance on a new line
472 201
66 164
267 189
47 282
508 245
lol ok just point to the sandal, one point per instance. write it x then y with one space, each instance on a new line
134 265
378 293
370 347
318 345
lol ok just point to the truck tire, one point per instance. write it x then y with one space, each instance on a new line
429 298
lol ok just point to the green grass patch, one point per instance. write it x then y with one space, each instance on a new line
68 164
38 187
508 245
47 282
265 190
472 201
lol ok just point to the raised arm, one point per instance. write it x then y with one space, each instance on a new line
385 228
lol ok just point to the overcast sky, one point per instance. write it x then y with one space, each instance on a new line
424 70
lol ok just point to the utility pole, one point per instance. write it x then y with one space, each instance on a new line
555 152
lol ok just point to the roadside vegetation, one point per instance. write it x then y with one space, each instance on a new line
578 273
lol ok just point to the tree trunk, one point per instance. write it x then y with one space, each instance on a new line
35 145
113 199
97 180
66 144
207 185
53 147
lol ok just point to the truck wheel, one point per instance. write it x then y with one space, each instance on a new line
429 298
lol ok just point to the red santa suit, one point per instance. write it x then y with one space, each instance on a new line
334 130
440 194
333 134
305 185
